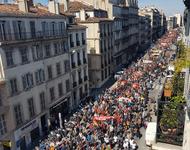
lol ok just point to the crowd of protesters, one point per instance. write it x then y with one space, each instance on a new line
112 122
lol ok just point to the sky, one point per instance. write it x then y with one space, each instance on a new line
170 7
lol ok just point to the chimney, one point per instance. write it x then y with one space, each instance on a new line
23 5
53 7
65 3
82 15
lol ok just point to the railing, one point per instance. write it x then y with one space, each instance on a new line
79 62
83 42
78 43
72 44
74 84
20 36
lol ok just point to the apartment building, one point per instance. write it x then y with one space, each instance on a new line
78 61
99 37
171 22
179 19
35 71
156 21
144 32
125 16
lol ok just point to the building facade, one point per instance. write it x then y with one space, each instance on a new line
157 23
179 19
78 61
144 32
99 37
125 16
35 70
172 22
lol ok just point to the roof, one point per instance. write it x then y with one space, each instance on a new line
94 20
35 11
77 6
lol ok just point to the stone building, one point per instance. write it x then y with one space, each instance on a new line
36 86
99 36
125 24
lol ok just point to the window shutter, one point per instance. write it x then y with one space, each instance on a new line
23 29
24 82
8 30
33 52
36 76
15 28
43 75
31 79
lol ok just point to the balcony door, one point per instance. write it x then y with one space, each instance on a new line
32 29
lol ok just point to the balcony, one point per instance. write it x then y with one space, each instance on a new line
80 80
78 43
79 62
12 38
85 78
74 84
73 65
83 42
84 60
72 44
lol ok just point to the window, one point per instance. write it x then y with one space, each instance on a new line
3 127
86 88
19 30
42 101
32 29
9 58
2 31
27 81
71 40
64 48
66 66
60 89
56 49
77 39
58 68
18 114
31 107
37 52
13 84
40 76
102 75
24 55
50 75
53 28
52 93
62 28
47 50
45 29
67 83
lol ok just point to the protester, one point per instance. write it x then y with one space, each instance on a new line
115 119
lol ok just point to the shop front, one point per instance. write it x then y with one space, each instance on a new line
27 136
60 108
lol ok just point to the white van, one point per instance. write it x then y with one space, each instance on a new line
150 135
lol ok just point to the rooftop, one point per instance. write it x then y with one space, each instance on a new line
35 11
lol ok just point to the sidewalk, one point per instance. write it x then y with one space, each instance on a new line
163 146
